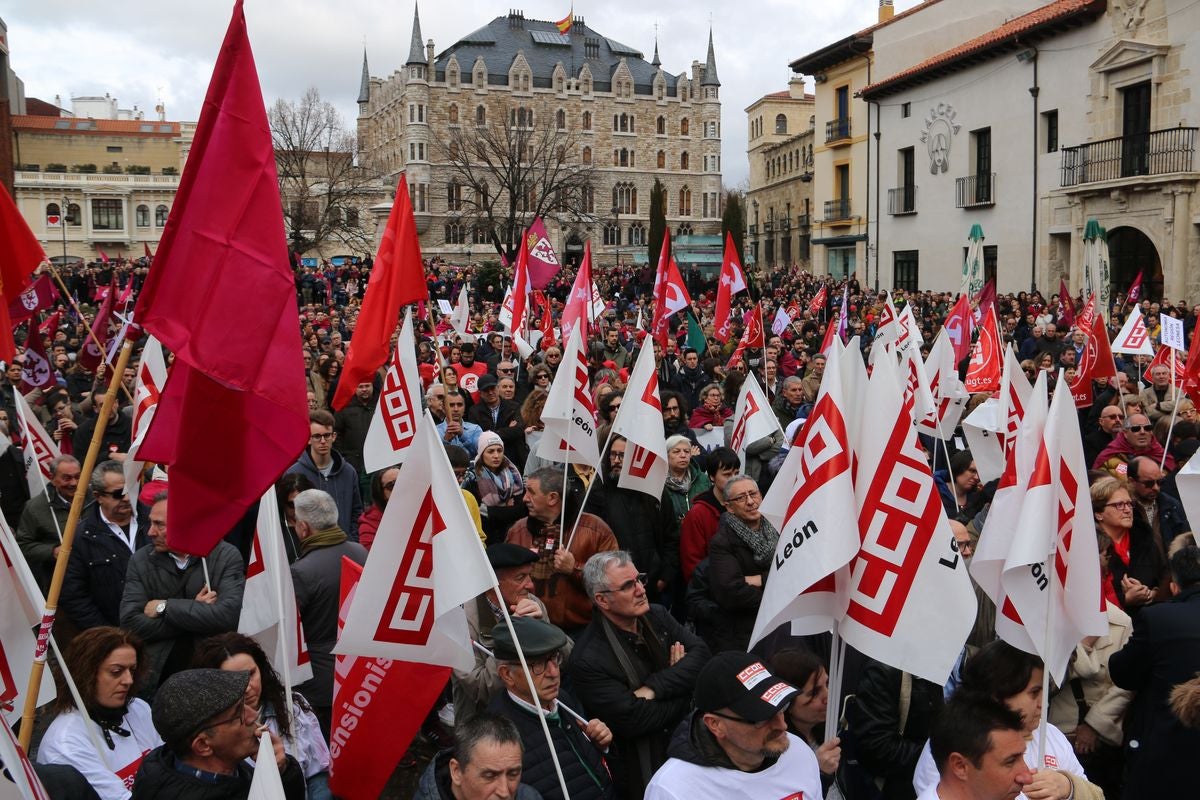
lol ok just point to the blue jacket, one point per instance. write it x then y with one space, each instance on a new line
342 485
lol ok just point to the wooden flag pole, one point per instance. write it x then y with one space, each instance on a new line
91 334
64 551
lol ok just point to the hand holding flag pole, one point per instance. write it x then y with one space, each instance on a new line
64 551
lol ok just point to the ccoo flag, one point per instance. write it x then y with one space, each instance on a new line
394 423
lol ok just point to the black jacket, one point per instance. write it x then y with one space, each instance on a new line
351 425
1146 560
874 723
513 435
14 489
157 779
95 579
644 527
1162 652
583 766
730 562
641 728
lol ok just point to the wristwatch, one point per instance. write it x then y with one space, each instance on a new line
161 608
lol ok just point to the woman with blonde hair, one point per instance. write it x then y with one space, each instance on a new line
1137 569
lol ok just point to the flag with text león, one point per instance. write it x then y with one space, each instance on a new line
378 707
983 374
269 611
911 604
732 280
151 376
569 415
639 420
815 491
394 423
753 417
1060 604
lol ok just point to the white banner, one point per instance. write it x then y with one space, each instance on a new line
639 420
394 423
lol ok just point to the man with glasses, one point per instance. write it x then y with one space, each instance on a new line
1164 512
1136 439
171 600
738 744
209 731
512 564
327 470
580 746
634 667
107 538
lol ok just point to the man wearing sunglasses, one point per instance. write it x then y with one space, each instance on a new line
108 536
1164 512
1136 439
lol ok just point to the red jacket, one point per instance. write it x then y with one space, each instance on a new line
696 531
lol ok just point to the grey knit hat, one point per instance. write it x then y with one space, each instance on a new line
188 699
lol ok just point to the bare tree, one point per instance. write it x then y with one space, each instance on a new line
323 189
502 175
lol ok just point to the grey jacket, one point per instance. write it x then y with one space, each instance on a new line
317 577
37 535
155 576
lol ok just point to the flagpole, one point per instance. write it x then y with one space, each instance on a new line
587 492
834 678
91 333
1162 463
64 552
285 622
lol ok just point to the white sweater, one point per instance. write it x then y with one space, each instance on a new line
795 776
67 742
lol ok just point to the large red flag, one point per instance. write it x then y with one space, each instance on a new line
983 374
221 296
92 352
543 261
670 293
732 281
20 254
397 278
1066 306
576 311
958 328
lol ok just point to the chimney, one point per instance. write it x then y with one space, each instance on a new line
886 10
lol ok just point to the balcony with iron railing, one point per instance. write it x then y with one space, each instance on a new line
1154 153
836 210
769 226
785 224
902 200
804 221
753 230
974 191
837 129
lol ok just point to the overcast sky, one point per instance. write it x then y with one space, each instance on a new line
142 51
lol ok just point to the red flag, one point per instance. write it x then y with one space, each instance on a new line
752 334
380 704
958 326
670 294
815 305
1087 315
1105 366
222 297
397 278
1183 369
37 372
146 248
1190 379
103 255
20 254
546 326
732 281
39 296
1135 289
1066 306
92 352
576 312
543 261
983 375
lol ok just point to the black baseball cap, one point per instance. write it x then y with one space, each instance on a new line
741 683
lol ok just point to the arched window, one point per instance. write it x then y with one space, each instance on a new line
454 196
74 218
616 122
560 120
637 233
684 127
684 161
480 115
684 230
142 216
612 234
660 126
587 120
685 202
452 114
624 160
587 155
53 210
455 233
662 159
625 198
160 216
633 123
624 123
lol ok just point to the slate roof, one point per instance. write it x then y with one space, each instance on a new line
499 41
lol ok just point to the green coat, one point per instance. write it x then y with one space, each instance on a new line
681 502
37 535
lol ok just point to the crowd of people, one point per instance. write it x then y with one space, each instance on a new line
634 613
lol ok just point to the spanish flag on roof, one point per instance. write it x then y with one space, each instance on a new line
564 24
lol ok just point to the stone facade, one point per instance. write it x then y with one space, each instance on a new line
633 120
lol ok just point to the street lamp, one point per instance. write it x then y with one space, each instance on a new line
616 211
62 220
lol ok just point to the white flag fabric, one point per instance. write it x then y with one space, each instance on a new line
570 413
1134 339
917 391
460 320
982 431
269 612
151 377
25 784
911 600
1059 605
781 321
266 784
752 417
1188 481
816 489
394 423
887 331
910 332
639 420
1171 333
19 613
949 395
38 447
425 564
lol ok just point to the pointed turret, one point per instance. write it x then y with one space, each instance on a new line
416 50
710 67
656 62
364 88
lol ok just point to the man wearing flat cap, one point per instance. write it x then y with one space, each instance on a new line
579 746
475 689
492 413
208 731
737 742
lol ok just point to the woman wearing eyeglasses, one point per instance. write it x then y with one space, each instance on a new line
739 558
382 483
1137 569
108 743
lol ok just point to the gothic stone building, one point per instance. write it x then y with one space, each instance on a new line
628 117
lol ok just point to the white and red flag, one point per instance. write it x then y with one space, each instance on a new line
37 447
949 395
959 324
514 312
460 319
1086 315
983 374
732 281
151 377
753 417
917 392
394 424
910 332
269 611
887 331
26 785
639 421
577 309
810 502
21 608
570 412
781 321
670 293
818 301
911 604
1133 338
837 328
1135 289
1059 604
